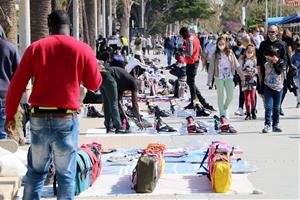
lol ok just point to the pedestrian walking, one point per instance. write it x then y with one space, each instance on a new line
9 61
224 65
273 88
296 63
248 66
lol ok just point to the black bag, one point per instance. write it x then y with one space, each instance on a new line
178 71
93 98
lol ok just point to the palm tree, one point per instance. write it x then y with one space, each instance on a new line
90 15
8 19
39 11
56 5
124 29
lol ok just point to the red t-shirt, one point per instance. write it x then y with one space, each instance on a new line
57 65
192 47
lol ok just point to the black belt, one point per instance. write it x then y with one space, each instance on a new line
51 110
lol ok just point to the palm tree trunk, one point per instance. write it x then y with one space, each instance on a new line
39 11
8 19
90 14
124 29
56 5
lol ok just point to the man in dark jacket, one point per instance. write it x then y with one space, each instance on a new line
272 42
9 60
169 45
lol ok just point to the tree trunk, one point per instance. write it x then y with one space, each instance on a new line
90 14
8 19
39 11
85 26
56 5
124 29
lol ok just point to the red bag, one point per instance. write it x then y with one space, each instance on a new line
94 151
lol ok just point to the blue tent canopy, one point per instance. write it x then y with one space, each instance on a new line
274 20
290 19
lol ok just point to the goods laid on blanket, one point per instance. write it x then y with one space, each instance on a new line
218 161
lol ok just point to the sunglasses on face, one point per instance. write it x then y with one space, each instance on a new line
271 31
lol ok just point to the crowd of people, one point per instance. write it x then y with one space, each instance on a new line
260 63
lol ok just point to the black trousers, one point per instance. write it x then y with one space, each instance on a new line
191 72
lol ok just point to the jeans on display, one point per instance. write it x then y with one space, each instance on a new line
57 137
272 106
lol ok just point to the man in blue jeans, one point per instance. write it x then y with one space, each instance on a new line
57 64
9 60
169 45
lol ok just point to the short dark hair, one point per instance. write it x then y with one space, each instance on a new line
270 52
58 18
184 31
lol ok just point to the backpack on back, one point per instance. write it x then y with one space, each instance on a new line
219 167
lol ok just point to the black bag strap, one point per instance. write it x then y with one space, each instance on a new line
201 164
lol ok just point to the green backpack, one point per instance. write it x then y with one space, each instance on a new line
146 174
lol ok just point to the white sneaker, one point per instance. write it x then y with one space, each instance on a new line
239 112
226 114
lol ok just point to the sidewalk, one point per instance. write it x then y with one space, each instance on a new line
275 155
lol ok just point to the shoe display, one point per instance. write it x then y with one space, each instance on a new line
226 127
217 124
159 112
189 106
93 113
267 129
208 107
200 111
277 129
129 112
193 127
162 126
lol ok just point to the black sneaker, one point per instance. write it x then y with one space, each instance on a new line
110 131
160 113
121 131
208 107
163 127
189 106
129 112
93 113
200 111
277 129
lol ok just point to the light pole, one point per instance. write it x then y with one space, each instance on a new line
24 25
266 25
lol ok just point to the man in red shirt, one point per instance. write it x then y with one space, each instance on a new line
192 48
57 65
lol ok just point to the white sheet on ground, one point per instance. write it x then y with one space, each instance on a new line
167 185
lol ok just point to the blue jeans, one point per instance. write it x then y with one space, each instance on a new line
272 104
57 137
170 53
3 134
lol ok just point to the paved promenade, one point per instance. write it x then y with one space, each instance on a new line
276 155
